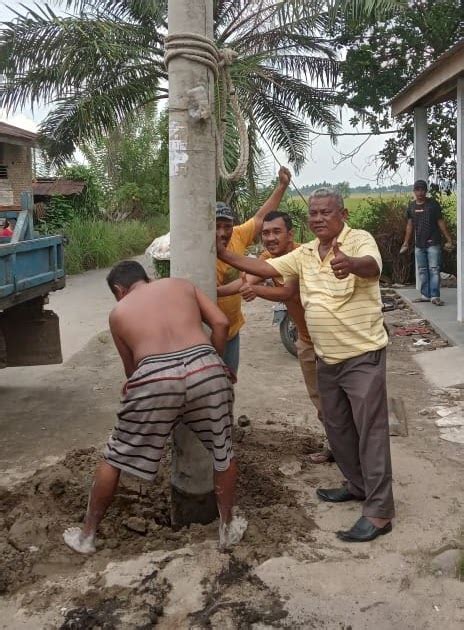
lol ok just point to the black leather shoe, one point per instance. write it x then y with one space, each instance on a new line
337 495
363 531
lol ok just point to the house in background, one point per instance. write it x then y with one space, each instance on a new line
16 164
44 188
17 174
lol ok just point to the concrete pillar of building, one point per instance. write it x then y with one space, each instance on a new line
460 198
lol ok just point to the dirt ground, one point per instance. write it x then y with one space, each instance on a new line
289 572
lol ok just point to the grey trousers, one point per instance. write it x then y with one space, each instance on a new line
354 402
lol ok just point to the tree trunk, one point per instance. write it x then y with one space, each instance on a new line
192 185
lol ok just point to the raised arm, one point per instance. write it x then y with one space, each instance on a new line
362 266
365 267
274 294
254 266
212 315
274 200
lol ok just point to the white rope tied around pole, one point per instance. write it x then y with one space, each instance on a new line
203 50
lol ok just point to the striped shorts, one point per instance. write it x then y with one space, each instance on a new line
189 386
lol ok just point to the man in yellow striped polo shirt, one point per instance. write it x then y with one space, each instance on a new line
338 276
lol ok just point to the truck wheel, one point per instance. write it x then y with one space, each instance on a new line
289 334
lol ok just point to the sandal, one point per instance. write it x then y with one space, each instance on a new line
437 301
422 298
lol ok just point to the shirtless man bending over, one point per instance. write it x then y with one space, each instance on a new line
174 373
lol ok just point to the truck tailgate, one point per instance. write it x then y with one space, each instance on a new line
30 268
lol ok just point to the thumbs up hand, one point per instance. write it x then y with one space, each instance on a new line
342 265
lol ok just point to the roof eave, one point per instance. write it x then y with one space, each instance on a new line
435 84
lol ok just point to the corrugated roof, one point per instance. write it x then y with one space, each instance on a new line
17 132
50 188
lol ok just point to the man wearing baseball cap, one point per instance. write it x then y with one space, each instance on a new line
425 220
237 239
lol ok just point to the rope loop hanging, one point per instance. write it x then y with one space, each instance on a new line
202 50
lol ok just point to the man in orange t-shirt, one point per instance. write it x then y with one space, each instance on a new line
237 239
277 236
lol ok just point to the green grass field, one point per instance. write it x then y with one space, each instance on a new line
369 211
356 201
95 243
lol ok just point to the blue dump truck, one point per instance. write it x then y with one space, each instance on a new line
31 266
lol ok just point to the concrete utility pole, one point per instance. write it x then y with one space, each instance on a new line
192 196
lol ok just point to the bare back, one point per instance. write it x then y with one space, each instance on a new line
158 317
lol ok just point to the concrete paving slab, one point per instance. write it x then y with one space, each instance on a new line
443 368
442 318
453 434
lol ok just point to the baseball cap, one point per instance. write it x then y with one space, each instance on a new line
223 211
420 183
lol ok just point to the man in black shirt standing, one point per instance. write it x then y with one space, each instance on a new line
424 216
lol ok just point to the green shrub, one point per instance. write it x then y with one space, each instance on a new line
158 224
298 210
385 220
58 214
449 205
366 215
94 243
88 203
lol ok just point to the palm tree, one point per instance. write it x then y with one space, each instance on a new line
100 63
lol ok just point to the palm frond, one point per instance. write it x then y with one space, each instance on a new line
103 61
224 11
307 18
154 11
357 9
88 114
319 70
283 129
44 57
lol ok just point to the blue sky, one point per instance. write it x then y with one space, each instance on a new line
323 161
